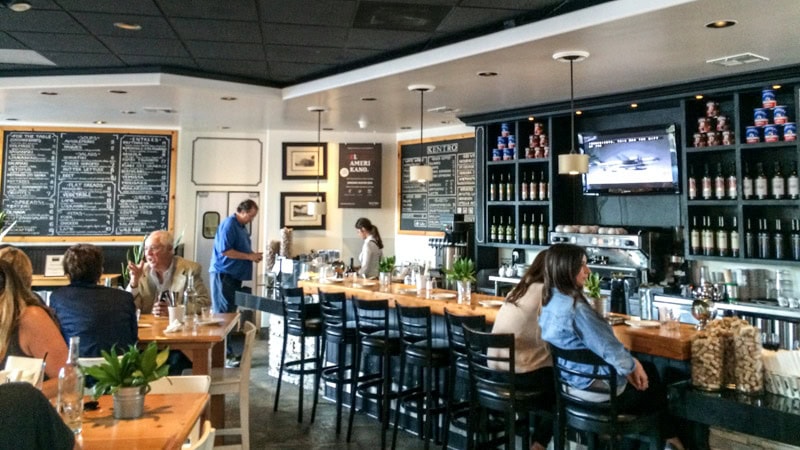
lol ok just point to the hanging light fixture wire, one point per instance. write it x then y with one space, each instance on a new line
572 163
318 207
421 172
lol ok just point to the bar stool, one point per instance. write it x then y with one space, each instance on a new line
339 334
598 419
375 339
304 321
428 354
494 386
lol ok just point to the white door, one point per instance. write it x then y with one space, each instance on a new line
212 208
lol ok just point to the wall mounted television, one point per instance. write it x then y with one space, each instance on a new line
631 161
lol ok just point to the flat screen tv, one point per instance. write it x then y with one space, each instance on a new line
631 161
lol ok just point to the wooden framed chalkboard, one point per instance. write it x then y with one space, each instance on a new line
452 190
75 184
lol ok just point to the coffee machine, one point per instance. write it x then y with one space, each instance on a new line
456 242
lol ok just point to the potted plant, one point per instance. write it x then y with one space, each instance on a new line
385 269
592 289
127 377
463 273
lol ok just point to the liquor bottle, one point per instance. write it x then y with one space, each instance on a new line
735 239
543 186
694 238
706 183
533 188
492 190
510 238
778 241
719 183
523 188
761 182
70 389
509 189
747 183
763 240
750 241
722 238
707 237
501 231
542 231
795 239
493 230
533 230
501 189
692 181
190 297
793 184
777 182
523 229
731 182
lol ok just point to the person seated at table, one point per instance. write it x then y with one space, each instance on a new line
101 316
533 365
568 322
161 270
29 422
28 328
371 250
21 264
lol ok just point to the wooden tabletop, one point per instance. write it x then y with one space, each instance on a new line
151 329
43 281
167 421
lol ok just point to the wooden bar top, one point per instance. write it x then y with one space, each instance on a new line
651 341
44 281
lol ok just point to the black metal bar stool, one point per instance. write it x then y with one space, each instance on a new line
375 339
339 334
302 320
429 355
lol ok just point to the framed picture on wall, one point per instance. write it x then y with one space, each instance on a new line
294 211
305 161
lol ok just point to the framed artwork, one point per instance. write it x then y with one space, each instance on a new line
305 161
294 211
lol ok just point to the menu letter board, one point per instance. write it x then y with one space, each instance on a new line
87 183
452 190
359 175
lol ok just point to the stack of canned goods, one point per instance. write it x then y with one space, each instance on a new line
538 146
506 149
714 128
774 130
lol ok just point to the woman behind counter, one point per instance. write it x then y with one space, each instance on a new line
372 250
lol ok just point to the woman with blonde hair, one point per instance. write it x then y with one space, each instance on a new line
28 328
20 262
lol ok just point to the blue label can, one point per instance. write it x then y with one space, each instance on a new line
779 115
752 135
504 130
771 133
497 154
501 142
508 154
512 141
768 98
789 131
760 116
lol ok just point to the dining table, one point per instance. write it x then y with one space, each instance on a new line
203 344
165 425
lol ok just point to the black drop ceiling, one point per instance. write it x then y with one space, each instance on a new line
268 42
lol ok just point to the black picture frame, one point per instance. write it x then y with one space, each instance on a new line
294 212
301 161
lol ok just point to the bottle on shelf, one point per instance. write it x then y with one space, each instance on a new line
692 182
778 241
70 389
533 230
777 182
723 248
533 189
707 237
795 239
501 189
731 182
706 183
492 190
523 188
750 241
523 229
792 184
735 239
543 185
510 232
761 182
747 183
694 238
719 183
509 189
493 230
501 231
763 240
542 231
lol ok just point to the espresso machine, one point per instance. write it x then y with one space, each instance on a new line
456 242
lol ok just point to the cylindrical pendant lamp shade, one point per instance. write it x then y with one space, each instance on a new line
421 173
317 208
573 164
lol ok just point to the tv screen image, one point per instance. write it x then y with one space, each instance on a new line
631 161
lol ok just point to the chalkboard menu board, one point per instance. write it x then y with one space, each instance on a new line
87 183
452 190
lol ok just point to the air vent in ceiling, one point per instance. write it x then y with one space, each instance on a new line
399 16
738 60
444 110
154 109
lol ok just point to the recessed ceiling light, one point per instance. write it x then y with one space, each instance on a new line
699 96
531 118
48 93
128 112
405 128
117 91
17 6
634 105
327 129
128 26
487 74
99 122
776 86
578 113
228 99
717 24
368 99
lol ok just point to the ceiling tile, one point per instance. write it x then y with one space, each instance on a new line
250 69
226 50
211 9
218 30
61 42
317 55
287 71
514 4
103 25
304 35
142 7
463 19
399 16
7 41
151 60
65 59
138 46
385 39
41 21
308 12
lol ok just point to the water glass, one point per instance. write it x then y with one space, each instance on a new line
176 313
669 318
205 313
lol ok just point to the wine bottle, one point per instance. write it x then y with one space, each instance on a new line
510 232
750 241
501 189
523 230
707 237
763 240
761 182
543 186
777 182
533 230
793 184
731 182
542 231
747 183
694 238
778 241
735 239
523 188
509 189
722 238
493 230
719 183
492 190
795 239
70 389
706 183
692 181
534 187
501 231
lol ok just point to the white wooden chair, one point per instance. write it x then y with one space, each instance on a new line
183 385
206 441
22 368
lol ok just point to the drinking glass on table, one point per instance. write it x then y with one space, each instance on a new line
163 300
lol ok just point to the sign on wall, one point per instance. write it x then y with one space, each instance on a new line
359 175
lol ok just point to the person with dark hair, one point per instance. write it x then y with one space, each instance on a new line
569 322
519 315
232 261
28 328
29 422
372 250
101 316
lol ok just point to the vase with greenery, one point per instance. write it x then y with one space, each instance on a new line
127 376
592 289
463 273
385 269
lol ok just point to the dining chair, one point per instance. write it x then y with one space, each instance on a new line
27 369
183 384
339 334
206 441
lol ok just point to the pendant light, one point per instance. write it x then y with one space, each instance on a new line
318 207
421 172
572 163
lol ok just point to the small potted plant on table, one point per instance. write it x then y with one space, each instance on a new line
385 269
463 273
592 289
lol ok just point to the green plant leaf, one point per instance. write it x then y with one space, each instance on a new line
132 368
386 264
463 270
